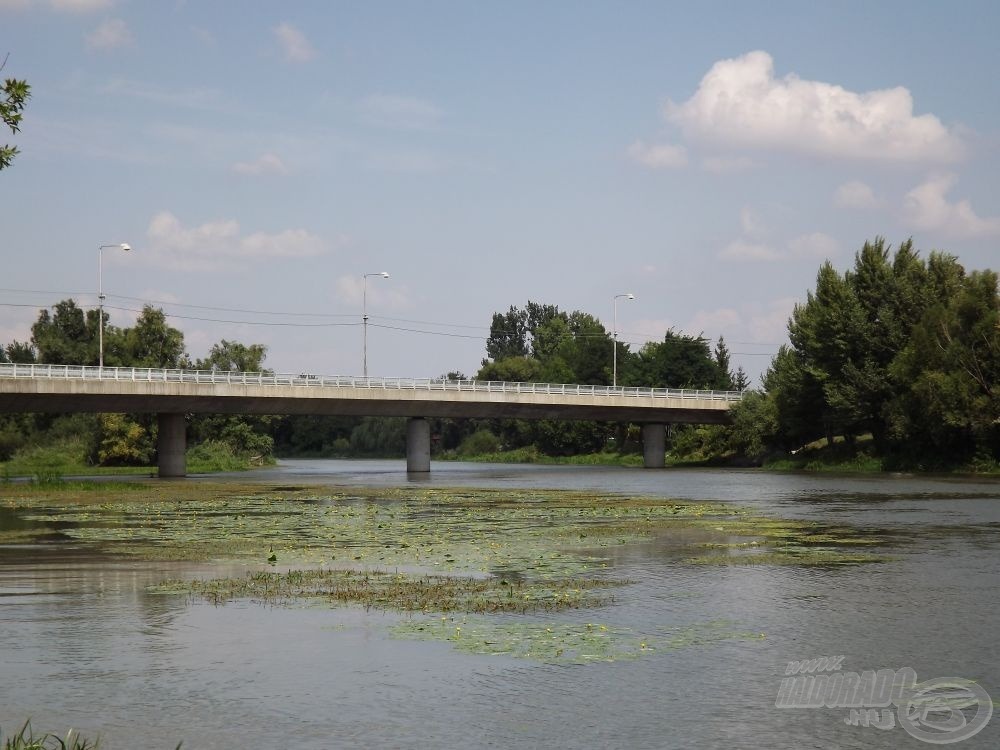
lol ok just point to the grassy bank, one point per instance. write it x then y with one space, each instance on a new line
64 458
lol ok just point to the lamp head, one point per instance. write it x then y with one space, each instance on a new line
125 246
384 274
629 296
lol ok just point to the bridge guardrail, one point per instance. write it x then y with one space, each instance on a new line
306 380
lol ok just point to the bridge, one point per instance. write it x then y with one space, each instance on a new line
171 394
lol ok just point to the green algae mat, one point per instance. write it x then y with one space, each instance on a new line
475 568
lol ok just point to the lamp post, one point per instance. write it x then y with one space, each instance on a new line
614 376
100 298
364 318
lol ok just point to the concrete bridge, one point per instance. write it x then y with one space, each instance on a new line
173 393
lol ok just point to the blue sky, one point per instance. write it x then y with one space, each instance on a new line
706 157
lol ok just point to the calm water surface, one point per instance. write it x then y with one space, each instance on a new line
84 645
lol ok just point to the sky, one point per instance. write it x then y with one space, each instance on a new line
261 157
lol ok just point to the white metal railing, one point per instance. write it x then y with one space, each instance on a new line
227 377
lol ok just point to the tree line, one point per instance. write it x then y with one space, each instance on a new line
899 351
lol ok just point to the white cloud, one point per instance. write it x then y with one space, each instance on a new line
191 98
658 155
727 164
111 34
856 194
750 251
740 103
266 164
927 207
294 44
405 112
219 245
814 245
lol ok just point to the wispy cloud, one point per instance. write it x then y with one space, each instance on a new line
110 34
856 194
402 112
266 164
294 44
221 245
189 98
744 250
658 155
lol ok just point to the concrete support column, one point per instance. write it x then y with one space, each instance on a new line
171 443
418 445
654 445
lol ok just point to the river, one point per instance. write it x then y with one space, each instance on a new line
85 644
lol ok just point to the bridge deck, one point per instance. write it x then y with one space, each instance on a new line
57 388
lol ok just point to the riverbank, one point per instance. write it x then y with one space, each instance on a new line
46 464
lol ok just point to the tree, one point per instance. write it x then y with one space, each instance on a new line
67 336
151 342
235 357
679 361
13 96
722 360
19 353
508 335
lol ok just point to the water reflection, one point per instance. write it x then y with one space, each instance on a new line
86 645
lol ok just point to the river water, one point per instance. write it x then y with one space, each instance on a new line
85 645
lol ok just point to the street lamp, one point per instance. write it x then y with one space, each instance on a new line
100 298
364 318
614 376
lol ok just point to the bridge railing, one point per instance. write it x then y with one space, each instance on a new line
307 380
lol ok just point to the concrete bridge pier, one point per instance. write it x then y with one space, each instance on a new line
171 444
654 445
418 445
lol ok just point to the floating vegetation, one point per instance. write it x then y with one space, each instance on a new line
562 642
398 591
533 534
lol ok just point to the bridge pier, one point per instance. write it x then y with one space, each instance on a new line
654 445
171 444
418 445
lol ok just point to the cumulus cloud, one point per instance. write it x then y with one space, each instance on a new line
219 245
927 207
111 34
266 164
294 45
856 194
741 103
404 112
658 155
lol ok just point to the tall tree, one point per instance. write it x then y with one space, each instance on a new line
66 336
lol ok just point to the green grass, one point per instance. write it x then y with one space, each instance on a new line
27 740
49 464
